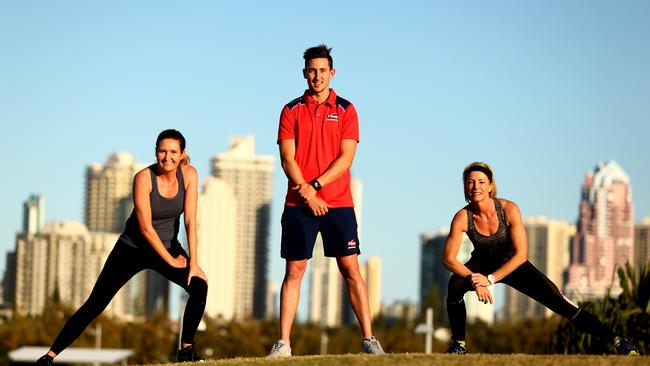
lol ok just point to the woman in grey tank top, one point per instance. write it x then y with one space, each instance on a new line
496 230
161 193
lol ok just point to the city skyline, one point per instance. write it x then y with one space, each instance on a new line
542 92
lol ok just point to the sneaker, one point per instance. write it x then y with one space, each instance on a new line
371 346
457 348
45 360
625 347
280 349
188 354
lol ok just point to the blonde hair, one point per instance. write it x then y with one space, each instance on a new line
479 166
186 159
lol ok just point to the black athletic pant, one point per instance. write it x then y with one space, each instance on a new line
122 264
530 281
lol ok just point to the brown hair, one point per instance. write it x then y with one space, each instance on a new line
176 135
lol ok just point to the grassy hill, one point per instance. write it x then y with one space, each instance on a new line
412 359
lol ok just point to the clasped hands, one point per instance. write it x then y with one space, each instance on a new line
480 284
316 204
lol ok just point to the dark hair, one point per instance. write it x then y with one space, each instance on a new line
174 134
320 51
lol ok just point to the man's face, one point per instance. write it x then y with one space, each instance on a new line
318 74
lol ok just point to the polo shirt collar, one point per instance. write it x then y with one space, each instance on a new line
331 99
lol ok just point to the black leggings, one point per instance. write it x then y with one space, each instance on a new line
530 281
122 264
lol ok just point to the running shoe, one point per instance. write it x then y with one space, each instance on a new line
280 349
625 347
457 348
188 354
371 346
45 361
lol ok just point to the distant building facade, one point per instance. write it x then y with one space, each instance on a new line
642 245
250 176
108 192
605 233
63 261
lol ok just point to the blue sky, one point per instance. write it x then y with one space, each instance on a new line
540 90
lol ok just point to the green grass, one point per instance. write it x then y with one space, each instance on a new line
438 359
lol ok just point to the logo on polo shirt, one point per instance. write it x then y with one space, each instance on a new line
332 117
352 244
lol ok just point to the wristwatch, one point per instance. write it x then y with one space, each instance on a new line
490 279
314 183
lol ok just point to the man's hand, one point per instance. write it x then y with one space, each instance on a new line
317 206
305 190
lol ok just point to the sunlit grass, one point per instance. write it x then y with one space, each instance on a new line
412 359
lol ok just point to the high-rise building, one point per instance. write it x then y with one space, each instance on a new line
9 279
604 235
548 250
325 289
108 192
272 300
33 213
63 261
642 245
433 272
216 231
399 311
249 176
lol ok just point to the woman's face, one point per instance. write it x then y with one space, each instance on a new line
478 186
168 155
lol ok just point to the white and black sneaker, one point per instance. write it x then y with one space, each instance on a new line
280 349
371 346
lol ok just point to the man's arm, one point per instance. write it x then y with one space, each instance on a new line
294 174
288 161
340 165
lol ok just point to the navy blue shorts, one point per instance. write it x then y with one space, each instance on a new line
338 228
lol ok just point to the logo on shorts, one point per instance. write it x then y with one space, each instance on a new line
332 117
352 244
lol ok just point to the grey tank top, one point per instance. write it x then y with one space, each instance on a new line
496 248
165 215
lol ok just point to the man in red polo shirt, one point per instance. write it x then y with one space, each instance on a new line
318 137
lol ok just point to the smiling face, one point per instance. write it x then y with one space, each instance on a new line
318 74
168 155
477 187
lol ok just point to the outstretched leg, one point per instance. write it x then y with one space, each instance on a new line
533 283
122 264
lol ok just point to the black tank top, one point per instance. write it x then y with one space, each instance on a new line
496 248
165 215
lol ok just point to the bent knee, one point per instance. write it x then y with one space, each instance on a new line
198 287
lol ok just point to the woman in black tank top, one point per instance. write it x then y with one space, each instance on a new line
161 193
496 230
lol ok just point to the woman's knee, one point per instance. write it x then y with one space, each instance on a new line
198 287
456 288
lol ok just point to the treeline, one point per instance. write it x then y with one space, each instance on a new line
155 340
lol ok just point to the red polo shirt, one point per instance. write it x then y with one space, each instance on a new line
318 130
